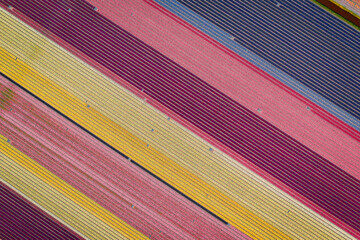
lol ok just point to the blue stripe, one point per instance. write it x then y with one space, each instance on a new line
280 64
333 25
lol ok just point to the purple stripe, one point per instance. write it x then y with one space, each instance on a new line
216 114
19 219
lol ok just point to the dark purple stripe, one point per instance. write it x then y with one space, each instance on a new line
19 219
216 114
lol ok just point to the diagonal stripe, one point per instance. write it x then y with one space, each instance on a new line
261 143
278 209
250 224
40 184
21 218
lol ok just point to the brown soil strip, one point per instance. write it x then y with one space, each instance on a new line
342 12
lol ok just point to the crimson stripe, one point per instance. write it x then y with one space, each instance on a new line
204 106
19 219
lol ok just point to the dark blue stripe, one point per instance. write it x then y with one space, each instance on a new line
225 38
300 46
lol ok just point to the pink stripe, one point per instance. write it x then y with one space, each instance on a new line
149 15
103 175
237 80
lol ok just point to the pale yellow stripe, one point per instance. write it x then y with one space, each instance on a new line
2 138
73 207
187 150
130 145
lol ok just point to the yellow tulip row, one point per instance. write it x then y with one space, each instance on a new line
59 198
162 146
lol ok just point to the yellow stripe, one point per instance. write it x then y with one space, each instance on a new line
2 138
220 180
118 137
96 220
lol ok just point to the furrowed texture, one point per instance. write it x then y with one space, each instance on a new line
237 79
222 186
287 36
133 147
40 185
115 183
225 41
344 9
214 113
20 219
171 119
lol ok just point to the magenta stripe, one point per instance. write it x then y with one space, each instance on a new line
199 103
21 220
